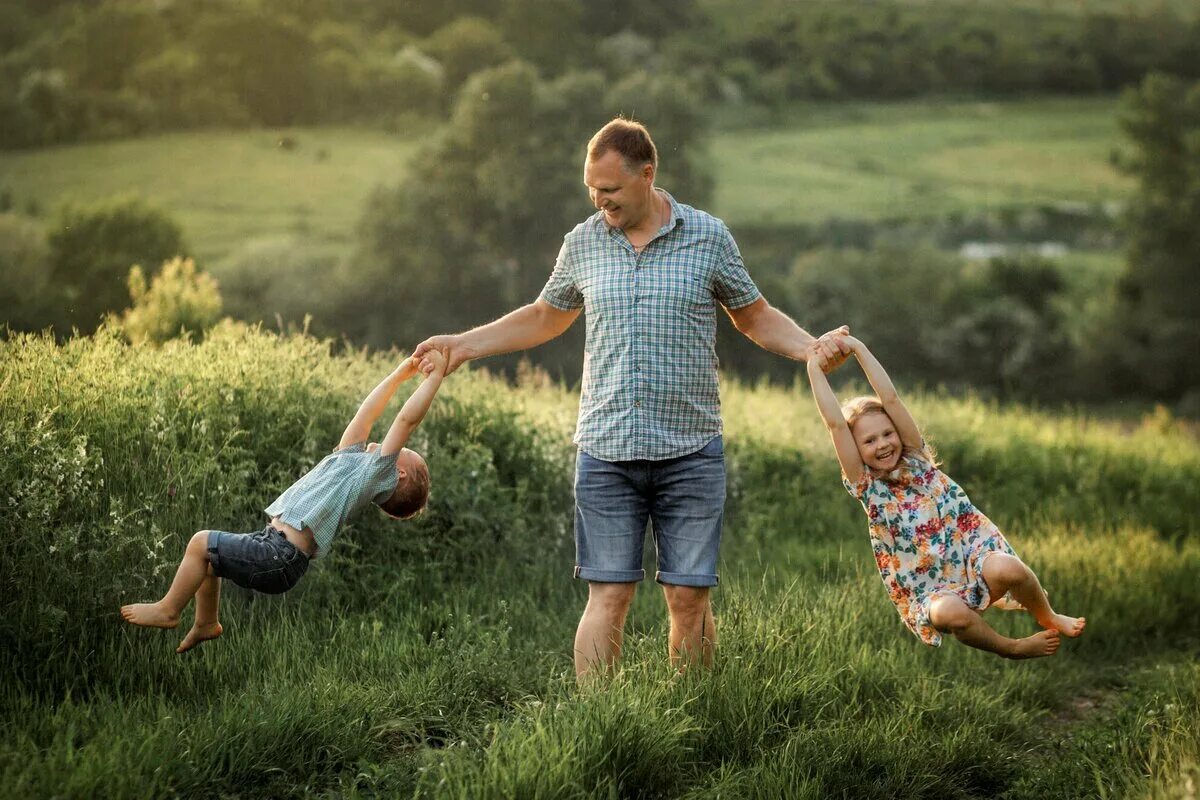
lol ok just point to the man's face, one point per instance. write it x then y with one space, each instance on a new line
623 196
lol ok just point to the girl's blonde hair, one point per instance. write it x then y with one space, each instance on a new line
856 408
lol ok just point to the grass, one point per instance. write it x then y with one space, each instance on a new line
901 160
433 659
914 160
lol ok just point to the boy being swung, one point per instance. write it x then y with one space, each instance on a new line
306 518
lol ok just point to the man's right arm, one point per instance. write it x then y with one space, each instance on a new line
526 327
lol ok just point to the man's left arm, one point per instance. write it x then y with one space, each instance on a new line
776 332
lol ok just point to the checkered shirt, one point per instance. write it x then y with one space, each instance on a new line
335 490
650 363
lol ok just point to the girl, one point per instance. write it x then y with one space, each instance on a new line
941 560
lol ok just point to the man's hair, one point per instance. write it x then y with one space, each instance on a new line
627 137
411 494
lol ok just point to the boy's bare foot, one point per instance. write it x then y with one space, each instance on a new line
1069 626
198 634
149 615
1044 643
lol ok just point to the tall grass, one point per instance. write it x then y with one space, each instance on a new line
433 658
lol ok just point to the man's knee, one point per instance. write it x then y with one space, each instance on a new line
610 599
686 601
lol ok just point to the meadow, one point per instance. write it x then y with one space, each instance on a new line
433 658
909 160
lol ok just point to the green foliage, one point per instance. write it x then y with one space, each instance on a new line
92 248
180 301
25 291
466 46
1157 330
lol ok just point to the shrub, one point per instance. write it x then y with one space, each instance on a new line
25 294
178 301
92 248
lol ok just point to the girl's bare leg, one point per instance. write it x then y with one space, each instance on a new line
1004 574
192 572
950 614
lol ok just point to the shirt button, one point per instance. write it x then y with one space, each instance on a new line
637 403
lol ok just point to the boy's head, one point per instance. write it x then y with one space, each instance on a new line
412 486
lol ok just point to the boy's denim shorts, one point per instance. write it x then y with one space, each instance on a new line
683 498
265 561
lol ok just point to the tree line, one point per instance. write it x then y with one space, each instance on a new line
72 70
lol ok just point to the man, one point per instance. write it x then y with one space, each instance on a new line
650 273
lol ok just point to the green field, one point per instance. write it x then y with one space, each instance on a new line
433 658
907 160
917 160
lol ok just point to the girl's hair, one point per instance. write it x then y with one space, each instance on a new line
856 408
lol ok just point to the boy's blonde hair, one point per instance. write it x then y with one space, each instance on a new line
411 494
856 408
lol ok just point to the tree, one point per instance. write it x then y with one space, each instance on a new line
1158 296
92 249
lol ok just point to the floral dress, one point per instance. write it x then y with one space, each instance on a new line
928 540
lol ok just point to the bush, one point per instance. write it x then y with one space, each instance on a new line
92 248
25 292
178 302
275 279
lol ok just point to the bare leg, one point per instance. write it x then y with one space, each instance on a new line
193 570
1008 574
206 626
950 614
693 631
600 634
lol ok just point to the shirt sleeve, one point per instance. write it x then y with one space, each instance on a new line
734 287
560 290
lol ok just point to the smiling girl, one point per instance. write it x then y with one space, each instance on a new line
942 561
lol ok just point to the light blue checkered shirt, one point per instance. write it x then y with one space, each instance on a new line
335 490
650 363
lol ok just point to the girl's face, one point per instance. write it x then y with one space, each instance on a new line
878 443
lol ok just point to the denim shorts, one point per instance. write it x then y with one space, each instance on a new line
683 498
265 561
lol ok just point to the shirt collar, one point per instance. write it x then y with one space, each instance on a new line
675 219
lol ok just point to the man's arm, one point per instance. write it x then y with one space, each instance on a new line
414 408
774 331
372 406
528 326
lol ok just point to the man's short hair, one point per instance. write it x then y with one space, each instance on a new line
629 138
411 494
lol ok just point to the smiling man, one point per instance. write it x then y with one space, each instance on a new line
650 273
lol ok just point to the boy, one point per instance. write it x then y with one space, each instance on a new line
305 518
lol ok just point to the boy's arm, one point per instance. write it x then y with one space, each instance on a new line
835 423
413 410
372 406
906 426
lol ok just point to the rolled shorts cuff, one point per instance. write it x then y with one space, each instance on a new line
610 575
214 557
679 579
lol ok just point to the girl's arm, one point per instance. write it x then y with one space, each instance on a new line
835 423
414 408
372 406
906 426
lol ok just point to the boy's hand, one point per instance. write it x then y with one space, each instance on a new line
407 369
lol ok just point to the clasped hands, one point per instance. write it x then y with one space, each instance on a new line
830 350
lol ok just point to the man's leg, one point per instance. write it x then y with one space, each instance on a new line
601 629
693 631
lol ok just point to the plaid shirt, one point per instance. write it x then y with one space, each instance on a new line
335 490
650 362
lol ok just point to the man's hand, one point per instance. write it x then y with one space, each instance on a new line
832 349
451 347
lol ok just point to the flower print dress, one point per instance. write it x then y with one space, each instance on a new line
928 540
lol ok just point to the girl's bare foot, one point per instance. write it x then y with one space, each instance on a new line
149 615
1007 603
1044 643
1069 626
198 634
